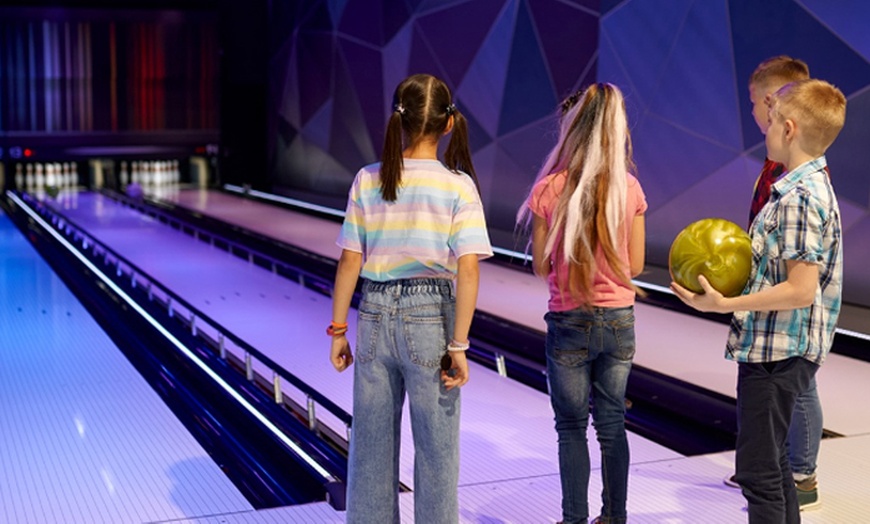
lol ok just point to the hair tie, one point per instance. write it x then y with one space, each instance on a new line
450 109
399 108
569 102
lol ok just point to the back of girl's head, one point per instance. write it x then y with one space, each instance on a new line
423 109
595 124
592 123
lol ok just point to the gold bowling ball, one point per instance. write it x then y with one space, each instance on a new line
716 248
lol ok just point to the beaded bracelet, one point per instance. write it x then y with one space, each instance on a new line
457 346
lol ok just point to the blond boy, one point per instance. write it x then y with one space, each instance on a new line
768 78
783 324
805 430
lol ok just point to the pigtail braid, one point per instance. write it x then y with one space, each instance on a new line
458 154
391 159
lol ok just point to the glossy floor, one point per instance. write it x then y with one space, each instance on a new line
509 471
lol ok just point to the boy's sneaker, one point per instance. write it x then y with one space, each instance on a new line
808 493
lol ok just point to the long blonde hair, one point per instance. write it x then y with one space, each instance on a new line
594 151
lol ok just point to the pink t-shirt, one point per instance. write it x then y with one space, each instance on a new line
607 289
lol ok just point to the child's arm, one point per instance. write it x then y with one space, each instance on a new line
467 282
637 246
346 276
540 262
797 291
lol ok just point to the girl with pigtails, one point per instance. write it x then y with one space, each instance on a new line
414 231
585 213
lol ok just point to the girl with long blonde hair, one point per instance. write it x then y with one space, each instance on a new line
585 213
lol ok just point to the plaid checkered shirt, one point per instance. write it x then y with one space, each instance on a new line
800 222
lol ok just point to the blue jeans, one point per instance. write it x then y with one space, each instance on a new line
805 431
591 351
766 395
403 330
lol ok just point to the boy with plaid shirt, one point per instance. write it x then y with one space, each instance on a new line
784 321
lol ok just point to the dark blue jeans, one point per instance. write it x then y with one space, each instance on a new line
590 352
805 431
766 395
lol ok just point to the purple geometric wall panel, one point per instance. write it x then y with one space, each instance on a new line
509 63
772 27
685 70
683 66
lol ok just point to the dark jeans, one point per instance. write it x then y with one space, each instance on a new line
766 395
805 432
590 352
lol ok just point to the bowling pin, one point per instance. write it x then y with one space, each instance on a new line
29 178
125 177
49 174
40 176
19 176
158 173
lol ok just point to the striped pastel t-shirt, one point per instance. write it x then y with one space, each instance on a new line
436 219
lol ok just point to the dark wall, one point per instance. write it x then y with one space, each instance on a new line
244 84
107 76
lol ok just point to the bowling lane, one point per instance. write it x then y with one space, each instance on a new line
681 346
507 428
84 438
